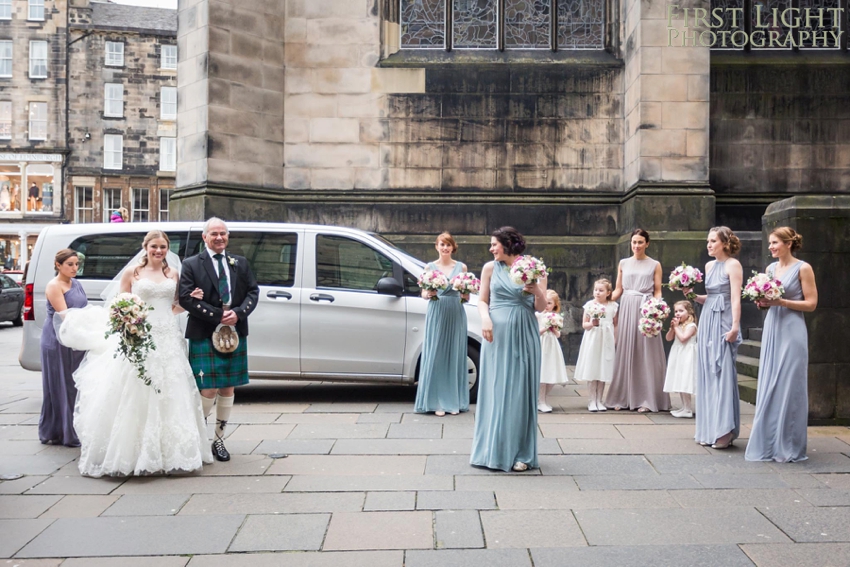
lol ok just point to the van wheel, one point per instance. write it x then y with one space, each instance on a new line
473 358
19 322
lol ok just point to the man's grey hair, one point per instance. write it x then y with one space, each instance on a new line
214 220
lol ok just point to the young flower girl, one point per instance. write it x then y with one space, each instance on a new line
682 365
596 356
553 369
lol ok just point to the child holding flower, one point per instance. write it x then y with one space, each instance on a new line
596 356
682 364
553 370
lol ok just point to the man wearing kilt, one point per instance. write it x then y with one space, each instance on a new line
230 295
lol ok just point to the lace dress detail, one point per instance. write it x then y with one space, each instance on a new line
126 427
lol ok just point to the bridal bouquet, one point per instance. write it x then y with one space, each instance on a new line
433 280
465 283
595 311
128 320
527 269
684 277
554 322
653 312
762 286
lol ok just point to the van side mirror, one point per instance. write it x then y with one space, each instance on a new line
389 286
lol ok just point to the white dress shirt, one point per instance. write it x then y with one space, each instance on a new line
226 270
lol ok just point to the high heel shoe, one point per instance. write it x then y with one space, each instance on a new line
726 445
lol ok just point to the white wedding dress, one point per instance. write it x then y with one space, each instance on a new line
127 428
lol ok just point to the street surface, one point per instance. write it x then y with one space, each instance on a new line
367 483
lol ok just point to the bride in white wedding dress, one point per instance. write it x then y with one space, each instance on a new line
125 426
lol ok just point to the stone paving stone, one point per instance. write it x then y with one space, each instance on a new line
35 563
343 407
824 497
802 480
342 465
394 407
684 526
548 447
516 482
283 503
380 530
819 463
811 525
21 485
15 534
585 499
830 480
204 485
347 431
148 505
798 554
21 448
643 556
325 418
595 464
458 529
285 532
369 483
395 501
33 464
415 431
303 559
242 447
458 431
826 445
630 447
238 465
468 558
739 497
741 481
270 407
77 485
296 447
459 465
126 562
587 418
657 431
379 418
13 506
402 447
81 506
463 500
153 535
243 418
14 418
631 482
261 432
544 528
728 462
460 419
28 432
579 431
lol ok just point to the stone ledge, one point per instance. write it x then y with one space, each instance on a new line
759 57
439 57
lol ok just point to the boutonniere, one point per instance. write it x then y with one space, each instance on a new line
231 260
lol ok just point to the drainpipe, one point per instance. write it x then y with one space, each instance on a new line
65 180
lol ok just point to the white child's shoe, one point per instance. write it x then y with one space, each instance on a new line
682 413
591 406
600 407
544 407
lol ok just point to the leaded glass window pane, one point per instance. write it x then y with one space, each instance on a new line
581 24
475 24
423 24
528 24
763 21
824 26
727 15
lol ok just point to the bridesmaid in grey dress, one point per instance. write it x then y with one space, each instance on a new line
782 398
639 364
718 416
58 363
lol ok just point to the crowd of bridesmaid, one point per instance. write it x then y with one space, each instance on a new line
521 357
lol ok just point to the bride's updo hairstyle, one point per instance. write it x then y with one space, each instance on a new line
731 243
154 234
510 239
788 235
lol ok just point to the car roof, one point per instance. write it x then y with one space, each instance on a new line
100 228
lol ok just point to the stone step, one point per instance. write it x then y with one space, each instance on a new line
748 366
749 348
747 389
754 334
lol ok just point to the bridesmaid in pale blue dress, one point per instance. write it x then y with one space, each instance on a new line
443 384
782 397
506 416
718 410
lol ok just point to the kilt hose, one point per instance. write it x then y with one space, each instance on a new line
213 369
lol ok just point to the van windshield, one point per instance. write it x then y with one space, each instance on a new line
102 256
397 248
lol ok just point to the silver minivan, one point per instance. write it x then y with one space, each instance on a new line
336 304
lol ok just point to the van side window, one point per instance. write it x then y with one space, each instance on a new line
103 255
343 263
271 255
411 284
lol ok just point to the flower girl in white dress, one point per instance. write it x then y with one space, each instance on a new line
553 369
595 363
682 364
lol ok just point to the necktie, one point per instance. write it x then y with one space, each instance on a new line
223 288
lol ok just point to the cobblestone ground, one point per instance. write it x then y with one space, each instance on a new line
366 482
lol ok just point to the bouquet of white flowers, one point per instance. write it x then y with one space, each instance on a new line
128 320
527 269
653 312
465 283
684 277
762 286
433 280
554 322
595 311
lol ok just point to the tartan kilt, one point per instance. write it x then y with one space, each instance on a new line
213 369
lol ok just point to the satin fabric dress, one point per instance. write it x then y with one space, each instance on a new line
597 351
443 381
506 414
639 364
718 409
782 397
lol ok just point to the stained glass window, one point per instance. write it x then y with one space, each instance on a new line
581 24
528 24
825 28
763 21
474 24
727 15
423 24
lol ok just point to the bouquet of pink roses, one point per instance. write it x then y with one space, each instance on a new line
762 286
596 311
465 283
684 277
653 312
554 322
433 280
527 269
128 320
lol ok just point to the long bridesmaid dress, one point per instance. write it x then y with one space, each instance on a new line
639 363
717 404
782 397
442 372
58 363
506 415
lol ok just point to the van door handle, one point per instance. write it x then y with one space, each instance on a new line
279 294
322 297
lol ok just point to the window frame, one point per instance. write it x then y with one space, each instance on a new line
33 60
163 213
6 104
108 206
163 59
107 113
3 59
35 5
111 152
78 208
118 55
172 164
33 122
339 274
142 211
4 4
162 103
289 241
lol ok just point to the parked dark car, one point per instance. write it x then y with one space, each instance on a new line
16 275
11 301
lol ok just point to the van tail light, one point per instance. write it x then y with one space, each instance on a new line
29 313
